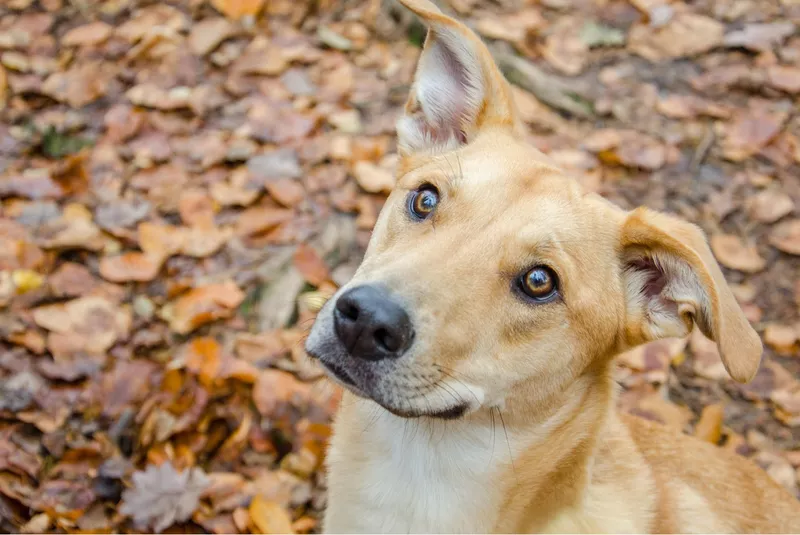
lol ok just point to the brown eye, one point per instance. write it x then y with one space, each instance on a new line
422 202
539 284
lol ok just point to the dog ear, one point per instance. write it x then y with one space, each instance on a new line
457 90
672 281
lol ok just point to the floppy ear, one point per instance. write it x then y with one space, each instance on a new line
673 281
457 89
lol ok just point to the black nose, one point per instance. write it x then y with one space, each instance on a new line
370 325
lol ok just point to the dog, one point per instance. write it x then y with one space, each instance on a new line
476 340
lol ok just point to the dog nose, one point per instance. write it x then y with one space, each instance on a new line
370 325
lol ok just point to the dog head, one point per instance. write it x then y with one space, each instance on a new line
491 274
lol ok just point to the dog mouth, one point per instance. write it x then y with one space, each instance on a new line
452 413
340 375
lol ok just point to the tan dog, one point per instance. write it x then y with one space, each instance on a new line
494 288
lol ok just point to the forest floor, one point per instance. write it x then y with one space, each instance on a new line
183 182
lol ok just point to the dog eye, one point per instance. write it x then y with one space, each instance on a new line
422 202
539 284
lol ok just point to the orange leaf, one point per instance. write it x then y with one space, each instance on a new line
309 263
709 428
236 9
130 267
269 517
203 358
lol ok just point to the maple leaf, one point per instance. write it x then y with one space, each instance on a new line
162 496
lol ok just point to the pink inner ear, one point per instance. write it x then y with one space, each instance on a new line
447 90
656 279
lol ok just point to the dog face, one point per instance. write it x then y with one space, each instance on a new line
491 276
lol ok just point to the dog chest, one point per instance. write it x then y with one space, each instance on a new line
397 475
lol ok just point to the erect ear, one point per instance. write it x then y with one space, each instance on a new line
458 89
673 281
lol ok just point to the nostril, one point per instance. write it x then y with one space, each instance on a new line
385 340
348 310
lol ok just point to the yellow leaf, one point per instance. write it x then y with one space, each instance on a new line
3 87
679 359
709 428
236 9
269 517
26 280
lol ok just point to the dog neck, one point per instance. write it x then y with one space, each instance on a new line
515 465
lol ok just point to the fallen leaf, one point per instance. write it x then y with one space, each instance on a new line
784 78
733 253
770 205
236 9
269 517
372 178
207 34
686 34
709 427
751 131
782 338
93 323
79 85
162 496
595 34
689 106
3 87
203 357
285 191
760 37
785 236
129 267
275 388
565 49
91 34
512 27
202 305
26 280
310 265
706 361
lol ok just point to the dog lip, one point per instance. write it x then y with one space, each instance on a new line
453 413
339 373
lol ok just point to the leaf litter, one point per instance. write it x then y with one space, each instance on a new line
183 186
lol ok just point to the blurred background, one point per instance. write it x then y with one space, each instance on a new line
184 182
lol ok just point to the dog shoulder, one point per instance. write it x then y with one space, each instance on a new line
709 489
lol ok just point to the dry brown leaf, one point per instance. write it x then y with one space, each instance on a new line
651 362
733 253
207 34
760 37
782 338
752 130
236 9
373 178
78 86
161 496
564 49
203 357
3 87
784 78
706 361
770 205
269 517
786 236
129 267
686 34
93 324
91 34
310 265
202 305
275 388
709 427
